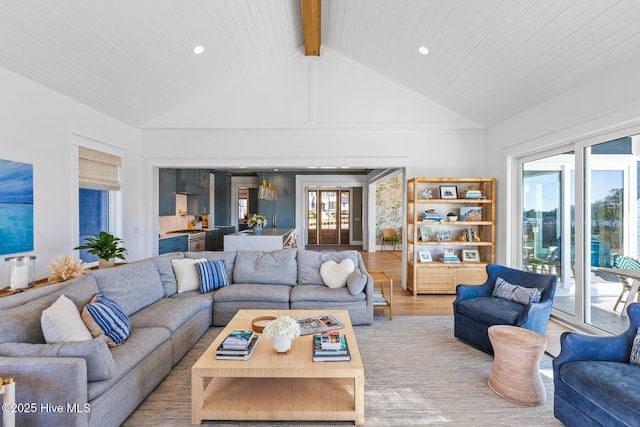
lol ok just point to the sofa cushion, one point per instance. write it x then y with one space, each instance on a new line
212 275
229 258
252 292
170 313
140 278
309 263
61 322
277 267
165 270
323 293
133 354
491 310
22 323
517 293
106 320
334 274
610 386
186 273
356 282
100 364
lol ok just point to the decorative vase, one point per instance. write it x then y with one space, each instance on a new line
257 229
106 263
281 345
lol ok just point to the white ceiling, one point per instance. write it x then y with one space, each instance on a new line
489 60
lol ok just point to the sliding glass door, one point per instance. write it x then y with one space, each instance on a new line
583 201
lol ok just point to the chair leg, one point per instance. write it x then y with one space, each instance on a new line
622 294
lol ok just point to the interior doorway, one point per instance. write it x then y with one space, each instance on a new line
328 221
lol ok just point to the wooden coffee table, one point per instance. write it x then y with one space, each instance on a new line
276 387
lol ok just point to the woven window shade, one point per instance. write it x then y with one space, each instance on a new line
99 171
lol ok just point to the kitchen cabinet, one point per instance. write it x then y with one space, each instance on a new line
282 210
173 244
222 198
167 196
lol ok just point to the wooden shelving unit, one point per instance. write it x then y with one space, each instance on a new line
436 276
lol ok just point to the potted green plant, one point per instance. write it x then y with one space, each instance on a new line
452 216
106 246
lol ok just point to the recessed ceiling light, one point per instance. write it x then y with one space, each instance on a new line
198 49
423 50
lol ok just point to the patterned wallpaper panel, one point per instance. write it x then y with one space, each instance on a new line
389 205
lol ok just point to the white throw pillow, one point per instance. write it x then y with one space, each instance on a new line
62 323
335 275
187 273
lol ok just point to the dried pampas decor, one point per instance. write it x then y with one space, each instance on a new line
66 267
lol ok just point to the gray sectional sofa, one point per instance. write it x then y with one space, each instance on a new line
100 386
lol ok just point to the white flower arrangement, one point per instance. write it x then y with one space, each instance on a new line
282 327
258 220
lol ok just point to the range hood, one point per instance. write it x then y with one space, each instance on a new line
188 188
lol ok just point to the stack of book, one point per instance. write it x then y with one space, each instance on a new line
431 215
474 194
238 345
330 347
378 298
449 258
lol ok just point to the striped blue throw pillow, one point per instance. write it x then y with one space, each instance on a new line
634 358
109 318
212 275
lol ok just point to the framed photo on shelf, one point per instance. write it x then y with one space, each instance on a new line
448 192
444 236
424 256
470 255
471 213
425 233
448 252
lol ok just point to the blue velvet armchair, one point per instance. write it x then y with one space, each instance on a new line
475 310
594 384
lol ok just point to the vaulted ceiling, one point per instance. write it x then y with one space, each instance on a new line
488 60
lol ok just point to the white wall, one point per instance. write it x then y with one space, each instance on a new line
324 112
42 127
603 109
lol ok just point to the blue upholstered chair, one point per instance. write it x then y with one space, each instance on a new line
475 309
594 383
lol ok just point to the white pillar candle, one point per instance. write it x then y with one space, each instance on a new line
19 276
9 388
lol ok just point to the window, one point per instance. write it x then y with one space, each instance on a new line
99 177
592 212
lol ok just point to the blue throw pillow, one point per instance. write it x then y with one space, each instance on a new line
105 318
517 293
212 275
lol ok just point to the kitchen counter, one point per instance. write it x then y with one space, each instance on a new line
270 239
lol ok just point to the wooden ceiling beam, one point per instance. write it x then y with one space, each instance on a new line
311 14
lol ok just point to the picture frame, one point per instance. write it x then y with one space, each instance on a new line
444 236
448 252
424 256
448 192
470 255
470 213
425 234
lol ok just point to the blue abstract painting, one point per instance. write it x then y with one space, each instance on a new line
16 207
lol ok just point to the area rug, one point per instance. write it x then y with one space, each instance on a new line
416 373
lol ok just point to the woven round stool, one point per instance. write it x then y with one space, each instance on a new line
515 375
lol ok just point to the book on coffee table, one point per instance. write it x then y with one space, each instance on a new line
329 355
222 354
321 323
